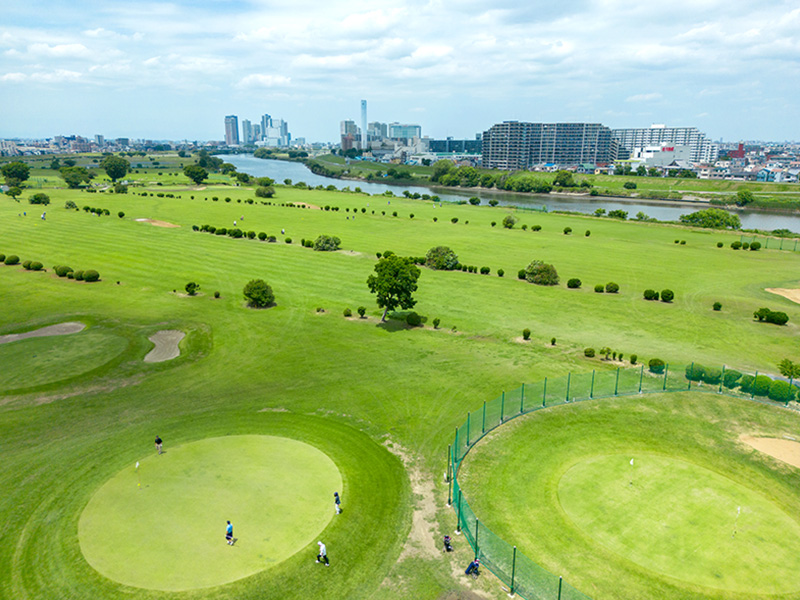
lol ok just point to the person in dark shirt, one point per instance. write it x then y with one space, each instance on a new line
158 444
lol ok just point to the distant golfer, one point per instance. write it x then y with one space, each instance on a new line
158 444
323 554
229 534
337 503
43 216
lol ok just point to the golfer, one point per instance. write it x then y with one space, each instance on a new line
337 503
323 554
158 444
229 534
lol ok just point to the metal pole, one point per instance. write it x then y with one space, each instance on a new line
458 524
616 383
569 375
468 430
449 462
450 492
721 379
691 374
544 392
641 376
483 420
455 448
522 400
502 406
513 568
477 552
560 580
591 388
666 372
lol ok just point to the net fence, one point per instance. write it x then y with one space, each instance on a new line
771 243
521 574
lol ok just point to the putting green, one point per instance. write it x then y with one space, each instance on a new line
169 534
684 521
42 360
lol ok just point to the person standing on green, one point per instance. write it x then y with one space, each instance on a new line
158 444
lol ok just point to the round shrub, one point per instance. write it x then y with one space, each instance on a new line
629 185
327 243
62 270
588 233
656 365
676 241
717 306
413 319
11 259
781 391
541 273
521 274
612 288
258 293
251 235
2 257
536 227
494 223
485 270
736 245
361 310
720 244
436 322
755 246
731 378
683 242
634 358
588 352
574 283
552 341
667 295
120 214
599 288
216 294
78 275
26 264
650 294
288 240
567 230
91 275
500 272
441 258
36 266
69 204
454 220
526 334
191 288
509 221
348 312
262 236
745 246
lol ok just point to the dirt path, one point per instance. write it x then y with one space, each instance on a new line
157 223
58 329
793 295
784 449
166 345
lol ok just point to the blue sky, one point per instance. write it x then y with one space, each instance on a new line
173 70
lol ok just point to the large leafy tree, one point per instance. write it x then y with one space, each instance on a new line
196 173
258 293
116 167
74 176
394 282
15 172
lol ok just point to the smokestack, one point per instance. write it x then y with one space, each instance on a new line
363 125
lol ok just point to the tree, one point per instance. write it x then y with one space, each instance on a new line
115 167
192 287
394 281
541 273
74 176
15 172
713 218
509 221
440 169
441 258
196 173
327 243
258 294
14 191
564 179
39 198
789 368
55 164
744 197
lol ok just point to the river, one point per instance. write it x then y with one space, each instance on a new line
663 210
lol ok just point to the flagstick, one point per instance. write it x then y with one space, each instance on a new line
631 472
736 521
138 476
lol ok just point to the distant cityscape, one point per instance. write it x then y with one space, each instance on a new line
511 145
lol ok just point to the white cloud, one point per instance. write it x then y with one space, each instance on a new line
14 77
59 50
651 97
258 80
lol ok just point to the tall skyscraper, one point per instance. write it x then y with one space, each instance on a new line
266 123
247 132
364 136
232 130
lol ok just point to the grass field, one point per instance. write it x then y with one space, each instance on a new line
697 515
342 385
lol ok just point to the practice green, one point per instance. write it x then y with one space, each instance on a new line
169 534
684 521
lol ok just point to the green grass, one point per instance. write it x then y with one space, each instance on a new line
345 384
563 491
161 526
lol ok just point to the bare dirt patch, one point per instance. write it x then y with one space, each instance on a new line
789 294
306 204
58 329
157 223
166 345
421 540
784 449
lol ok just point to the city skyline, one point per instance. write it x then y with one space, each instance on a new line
174 71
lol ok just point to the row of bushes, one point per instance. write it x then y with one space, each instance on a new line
737 245
575 283
759 385
606 352
771 316
666 295
236 233
89 275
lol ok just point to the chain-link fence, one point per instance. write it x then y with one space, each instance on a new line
517 571
772 243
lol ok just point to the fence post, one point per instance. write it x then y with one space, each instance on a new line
449 462
616 383
560 580
522 400
569 375
483 421
591 387
691 374
468 419
477 524
544 392
755 380
458 524
455 448
721 379
502 406
781 246
513 568
641 376
666 372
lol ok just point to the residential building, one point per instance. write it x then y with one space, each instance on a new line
451 146
377 131
232 130
401 131
701 149
514 145
248 133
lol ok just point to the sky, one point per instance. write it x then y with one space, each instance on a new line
174 70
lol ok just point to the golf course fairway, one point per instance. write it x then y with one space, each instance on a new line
163 527
683 521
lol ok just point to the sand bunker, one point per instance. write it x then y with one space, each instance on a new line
306 204
58 329
793 295
157 223
166 342
785 450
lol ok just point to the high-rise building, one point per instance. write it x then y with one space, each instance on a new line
400 131
701 149
100 140
377 131
248 136
266 123
348 132
513 145
364 135
232 130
